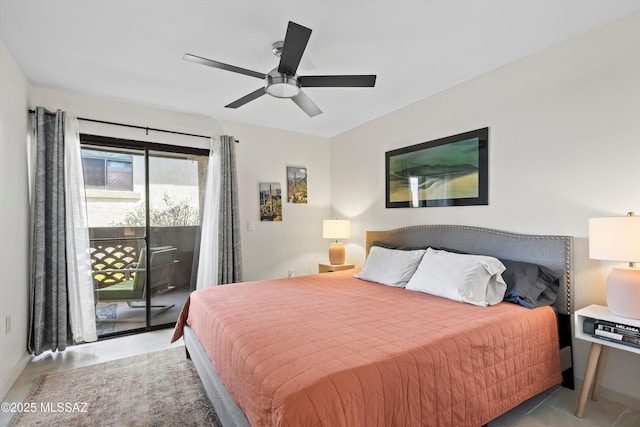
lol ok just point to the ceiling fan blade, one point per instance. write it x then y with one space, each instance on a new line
307 105
338 81
247 98
222 66
295 42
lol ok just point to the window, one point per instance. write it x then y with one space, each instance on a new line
110 171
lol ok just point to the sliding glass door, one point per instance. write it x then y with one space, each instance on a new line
143 207
175 197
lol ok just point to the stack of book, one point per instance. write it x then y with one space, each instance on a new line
612 331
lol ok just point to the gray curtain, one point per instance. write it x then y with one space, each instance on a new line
48 317
229 250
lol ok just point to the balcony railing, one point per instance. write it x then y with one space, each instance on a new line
114 248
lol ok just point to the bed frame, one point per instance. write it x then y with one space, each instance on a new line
553 252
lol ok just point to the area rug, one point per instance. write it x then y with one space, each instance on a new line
153 389
103 314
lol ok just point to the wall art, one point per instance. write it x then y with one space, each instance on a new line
451 171
296 184
270 201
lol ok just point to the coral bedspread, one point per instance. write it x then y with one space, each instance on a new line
333 350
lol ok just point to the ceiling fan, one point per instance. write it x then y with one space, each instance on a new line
282 81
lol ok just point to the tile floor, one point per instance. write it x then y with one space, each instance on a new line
554 407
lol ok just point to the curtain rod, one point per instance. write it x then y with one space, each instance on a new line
147 129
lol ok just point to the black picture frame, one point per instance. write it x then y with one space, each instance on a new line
450 171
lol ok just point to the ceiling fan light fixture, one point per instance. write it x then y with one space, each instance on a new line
282 86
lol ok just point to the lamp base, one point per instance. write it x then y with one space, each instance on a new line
336 254
623 292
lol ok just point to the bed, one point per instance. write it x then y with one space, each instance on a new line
331 349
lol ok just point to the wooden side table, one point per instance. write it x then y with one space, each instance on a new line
330 268
599 349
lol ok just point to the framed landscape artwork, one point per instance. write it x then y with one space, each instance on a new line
451 171
296 184
270 201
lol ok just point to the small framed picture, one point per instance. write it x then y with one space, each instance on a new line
296 184
270 194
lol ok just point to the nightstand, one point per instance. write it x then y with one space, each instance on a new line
599 349
330 268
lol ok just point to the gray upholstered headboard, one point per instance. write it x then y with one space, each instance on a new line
553 252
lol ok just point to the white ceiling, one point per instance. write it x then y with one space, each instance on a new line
132 50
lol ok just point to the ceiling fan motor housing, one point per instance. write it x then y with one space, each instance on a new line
281 85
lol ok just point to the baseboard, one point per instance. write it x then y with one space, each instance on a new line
614 396
8 382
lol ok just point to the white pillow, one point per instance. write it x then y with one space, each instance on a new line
475 279
390 267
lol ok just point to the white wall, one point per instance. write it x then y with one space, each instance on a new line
14 220
262 155
296 242
564 146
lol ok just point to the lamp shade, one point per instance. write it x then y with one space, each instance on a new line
615 238
336 229
618 239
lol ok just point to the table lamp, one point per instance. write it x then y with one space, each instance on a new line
336 229
618 239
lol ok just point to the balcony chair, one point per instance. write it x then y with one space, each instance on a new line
133 290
